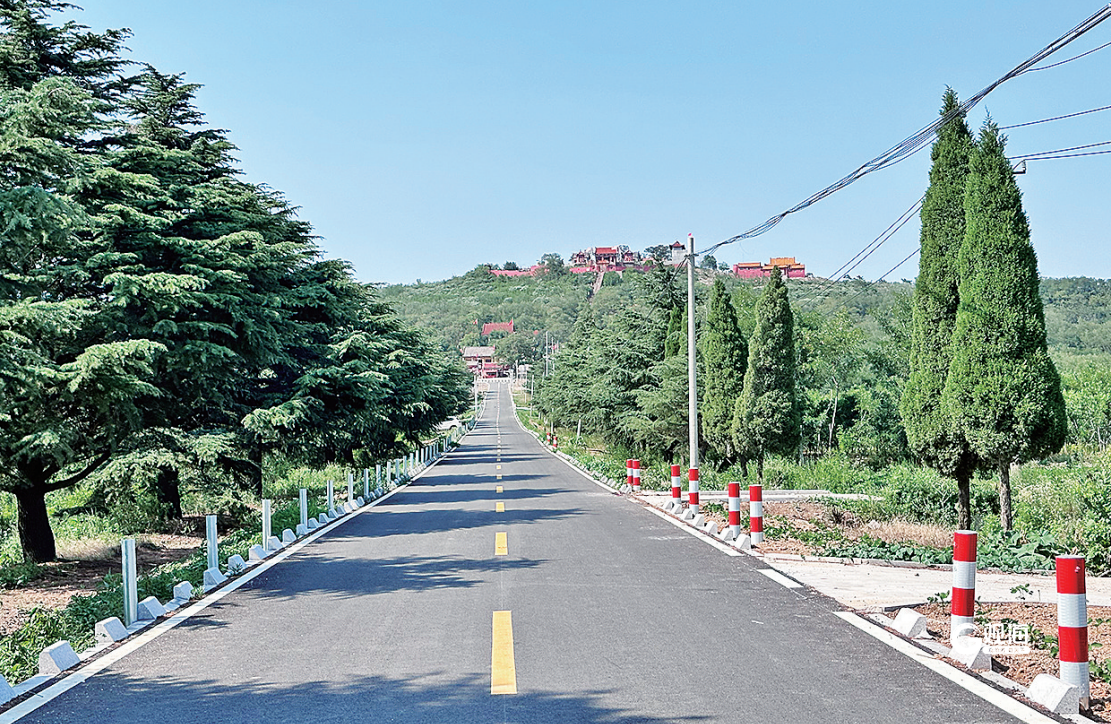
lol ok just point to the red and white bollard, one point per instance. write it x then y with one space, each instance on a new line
629 472
555 441
692 490
636 476
676 487
756 513
735 510
963 606
1072 625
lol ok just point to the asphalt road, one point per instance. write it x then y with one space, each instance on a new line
616 616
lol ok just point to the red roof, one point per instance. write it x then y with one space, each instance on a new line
497 327
605 250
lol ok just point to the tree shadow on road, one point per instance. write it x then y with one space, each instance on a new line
123 699
347 577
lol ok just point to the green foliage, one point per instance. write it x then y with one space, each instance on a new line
936 298
724 356
1003 393
767 415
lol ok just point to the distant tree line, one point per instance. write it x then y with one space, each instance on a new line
158 313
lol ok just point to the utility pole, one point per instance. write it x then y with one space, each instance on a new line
692 394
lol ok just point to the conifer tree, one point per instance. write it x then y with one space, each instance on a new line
931 438
768 414
724 358
1002 393
676 339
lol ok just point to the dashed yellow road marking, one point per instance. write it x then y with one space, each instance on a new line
503 671
498 489
498 477
501 543
499 507
497 467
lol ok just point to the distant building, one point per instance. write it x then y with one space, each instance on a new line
755 270
603 258
678 253
497 327
480 362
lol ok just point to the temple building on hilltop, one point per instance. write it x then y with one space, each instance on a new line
755 270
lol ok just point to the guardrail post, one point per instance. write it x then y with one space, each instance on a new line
756 513
303 499
130 582
265 524
963 604
692 490
210 541
1072 625
331 498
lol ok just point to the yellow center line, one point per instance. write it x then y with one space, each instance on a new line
499 507
498 477
498 489
497 467
503 672
501 543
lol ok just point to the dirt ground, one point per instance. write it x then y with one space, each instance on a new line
1043 617
82 572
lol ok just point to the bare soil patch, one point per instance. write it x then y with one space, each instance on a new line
83 568
1024 667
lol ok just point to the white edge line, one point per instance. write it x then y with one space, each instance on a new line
993 696
780 578
94 667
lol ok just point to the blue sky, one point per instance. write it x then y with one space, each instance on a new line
423 138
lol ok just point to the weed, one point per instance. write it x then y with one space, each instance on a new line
939 597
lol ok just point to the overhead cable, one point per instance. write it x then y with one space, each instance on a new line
916 142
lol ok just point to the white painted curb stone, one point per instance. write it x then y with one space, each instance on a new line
7 693
110 630
150 608
56 658
257 553
743 543
183 591
971 652
910 623
699 521
313 524
288 536
213 578
1054 694
302 530
323 518
273 543
236 564
688 515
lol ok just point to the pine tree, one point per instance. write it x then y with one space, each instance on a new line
931 438
724 357
768 414
1002 392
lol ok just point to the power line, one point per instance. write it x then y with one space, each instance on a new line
865 252
1059 150
916 142
1069 60
1069 155
1055 118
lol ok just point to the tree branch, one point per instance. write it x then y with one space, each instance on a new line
74 479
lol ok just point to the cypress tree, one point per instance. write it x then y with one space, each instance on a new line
1003 393
768 415
724 356
929 435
